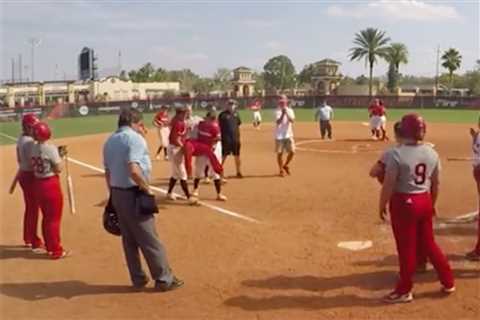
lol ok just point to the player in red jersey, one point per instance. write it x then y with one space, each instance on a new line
256 108
161 122
176 153
208 132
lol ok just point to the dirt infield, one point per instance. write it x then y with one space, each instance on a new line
285 266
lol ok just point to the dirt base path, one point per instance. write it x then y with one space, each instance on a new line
287 266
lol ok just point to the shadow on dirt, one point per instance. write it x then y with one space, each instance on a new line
19 252
379 282
61 289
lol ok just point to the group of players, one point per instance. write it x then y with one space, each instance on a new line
39 166
408 172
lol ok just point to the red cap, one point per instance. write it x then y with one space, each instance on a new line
413 126
29 120
41 131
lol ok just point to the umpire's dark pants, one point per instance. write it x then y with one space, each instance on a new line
138 232
325 128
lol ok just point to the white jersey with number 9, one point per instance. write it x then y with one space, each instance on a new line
415 165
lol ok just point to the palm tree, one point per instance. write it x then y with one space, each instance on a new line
396 55
371 45
451 61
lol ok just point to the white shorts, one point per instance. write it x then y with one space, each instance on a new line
257 116
383 121
177 161
217 151
201 163
375 122
163 133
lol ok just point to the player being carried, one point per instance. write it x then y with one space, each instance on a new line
208 133
161 122
256 108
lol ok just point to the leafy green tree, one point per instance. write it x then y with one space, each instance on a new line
371 44
397 54
305 76
451 61
259 81
222 78
279 73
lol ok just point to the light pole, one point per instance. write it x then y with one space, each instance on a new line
34 42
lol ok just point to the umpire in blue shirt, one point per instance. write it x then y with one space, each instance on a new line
127 169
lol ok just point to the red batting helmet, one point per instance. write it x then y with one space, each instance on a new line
29 120
413 126
41 131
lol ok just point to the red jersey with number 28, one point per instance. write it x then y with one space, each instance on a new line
177 129
208 132
415 164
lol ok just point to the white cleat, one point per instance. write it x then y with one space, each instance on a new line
448 290
195 193
193 201
221 197
394 297
171 196
207 180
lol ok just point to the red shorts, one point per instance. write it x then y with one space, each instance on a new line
476 173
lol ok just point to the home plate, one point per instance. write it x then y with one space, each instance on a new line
355 245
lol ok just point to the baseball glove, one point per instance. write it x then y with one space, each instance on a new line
110 219
62 151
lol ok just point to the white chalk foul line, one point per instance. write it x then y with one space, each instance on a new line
210 206
163 191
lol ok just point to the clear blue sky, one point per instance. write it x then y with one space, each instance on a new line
206 35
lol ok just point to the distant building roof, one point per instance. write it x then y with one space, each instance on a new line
242 69
328 61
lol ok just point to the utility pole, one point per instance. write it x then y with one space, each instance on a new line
20 67
119 62
34 42
13 70
437 71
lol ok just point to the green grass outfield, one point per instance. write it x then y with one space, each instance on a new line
69 127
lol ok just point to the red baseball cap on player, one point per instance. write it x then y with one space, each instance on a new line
413 126
29 120
41 132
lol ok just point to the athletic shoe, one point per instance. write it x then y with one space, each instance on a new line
39 250
221 197
448 290
287 169
163 286
239 175
171 196
140 286
64 254
27 245
166 158
224 181
472 256
207 180
394 297
157 157
195 193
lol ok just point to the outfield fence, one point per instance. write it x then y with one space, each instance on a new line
199 102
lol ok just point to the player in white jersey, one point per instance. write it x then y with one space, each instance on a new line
411 188
475 253
46 167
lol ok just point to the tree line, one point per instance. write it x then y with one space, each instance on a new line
279 74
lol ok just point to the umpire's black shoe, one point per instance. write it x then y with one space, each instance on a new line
163 286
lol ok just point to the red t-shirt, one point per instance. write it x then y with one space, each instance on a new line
177 129
161 118
372 109
256 106
208 132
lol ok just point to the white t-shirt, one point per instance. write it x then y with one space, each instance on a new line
24 149
284 129
325 112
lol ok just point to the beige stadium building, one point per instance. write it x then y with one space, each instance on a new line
106 89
